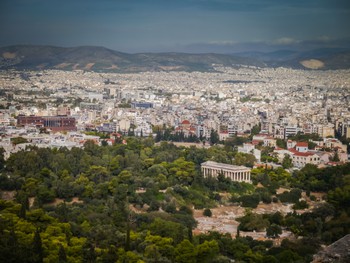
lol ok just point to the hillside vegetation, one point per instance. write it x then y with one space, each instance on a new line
133 203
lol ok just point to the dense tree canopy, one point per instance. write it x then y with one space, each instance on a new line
89 205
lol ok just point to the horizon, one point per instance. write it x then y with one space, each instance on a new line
237 53
187 26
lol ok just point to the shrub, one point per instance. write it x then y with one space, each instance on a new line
207 212
300 205
250 200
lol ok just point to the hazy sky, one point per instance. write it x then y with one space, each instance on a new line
177 25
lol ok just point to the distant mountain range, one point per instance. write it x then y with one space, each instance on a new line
105 60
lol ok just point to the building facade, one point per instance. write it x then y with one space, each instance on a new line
54 123
300 159
234 172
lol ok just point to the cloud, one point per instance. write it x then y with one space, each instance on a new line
285 41
324 39
223 43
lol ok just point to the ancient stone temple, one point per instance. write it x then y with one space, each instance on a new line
234 172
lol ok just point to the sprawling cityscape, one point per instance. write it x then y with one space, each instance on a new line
282 102
266 127
188 131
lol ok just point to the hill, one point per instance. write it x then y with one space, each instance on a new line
103 59
326 58
106 60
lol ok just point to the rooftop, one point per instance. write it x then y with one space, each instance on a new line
226 166
302 144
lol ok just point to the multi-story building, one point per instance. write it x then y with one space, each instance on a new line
54 123
300 159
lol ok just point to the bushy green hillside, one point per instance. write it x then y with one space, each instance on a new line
133 203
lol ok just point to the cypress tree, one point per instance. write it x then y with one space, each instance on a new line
37 248
62 257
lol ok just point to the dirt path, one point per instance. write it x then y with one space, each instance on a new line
223 218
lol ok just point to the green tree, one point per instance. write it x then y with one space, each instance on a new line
252 221
207 212
62 257
273 231
256 129
340 196
281 143
183 171
214 137
37 248
2 158
158 248
18 140
287 162
335 158
185 252
251 201
252 257
244 159
287 256
169 229
300 205
128 256
207 251
311 145
89 253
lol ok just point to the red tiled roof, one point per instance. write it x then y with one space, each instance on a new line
304 154
186 122
279 149
302 144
